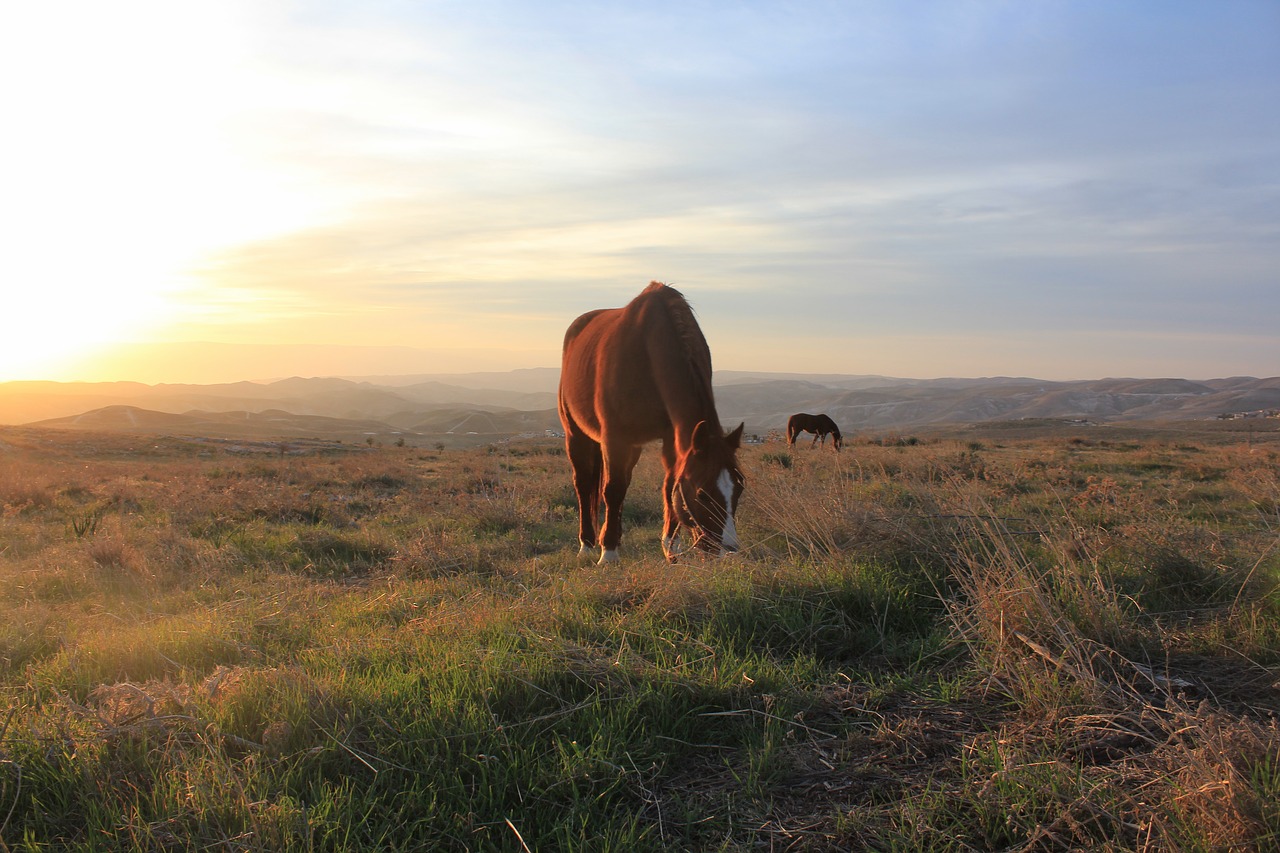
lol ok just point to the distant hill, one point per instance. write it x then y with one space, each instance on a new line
893 404
452 426
24 402
495 405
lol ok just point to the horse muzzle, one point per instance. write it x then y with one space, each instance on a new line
718 543
713 545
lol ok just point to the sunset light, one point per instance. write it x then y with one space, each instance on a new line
639 425
984 189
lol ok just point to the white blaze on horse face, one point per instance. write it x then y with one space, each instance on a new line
729 538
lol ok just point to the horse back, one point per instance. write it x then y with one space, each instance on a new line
606 384
628 371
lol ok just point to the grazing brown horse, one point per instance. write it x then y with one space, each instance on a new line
820 425
634 375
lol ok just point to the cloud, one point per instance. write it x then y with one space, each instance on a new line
986 177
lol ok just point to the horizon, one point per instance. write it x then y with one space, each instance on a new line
1050 191
359 406
387 379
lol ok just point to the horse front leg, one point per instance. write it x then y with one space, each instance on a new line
670 519
618 465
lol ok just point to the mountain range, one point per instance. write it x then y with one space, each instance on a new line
487 406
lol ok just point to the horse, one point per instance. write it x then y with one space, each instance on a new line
630 376
820 425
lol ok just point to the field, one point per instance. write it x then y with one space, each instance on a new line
1001 641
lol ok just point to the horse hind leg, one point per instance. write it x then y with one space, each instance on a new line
587 463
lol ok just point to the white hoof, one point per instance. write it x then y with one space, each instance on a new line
608 557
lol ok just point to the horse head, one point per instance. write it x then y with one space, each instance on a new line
707 487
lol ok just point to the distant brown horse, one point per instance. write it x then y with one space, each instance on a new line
820 425
634 375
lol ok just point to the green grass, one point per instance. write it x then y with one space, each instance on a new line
941 644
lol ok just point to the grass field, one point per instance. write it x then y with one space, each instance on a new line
1000 642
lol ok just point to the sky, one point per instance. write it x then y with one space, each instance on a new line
250 189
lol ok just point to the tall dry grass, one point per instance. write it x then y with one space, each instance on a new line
952 644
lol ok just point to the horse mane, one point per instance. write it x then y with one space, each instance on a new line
692 342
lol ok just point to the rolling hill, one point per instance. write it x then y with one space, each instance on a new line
492 406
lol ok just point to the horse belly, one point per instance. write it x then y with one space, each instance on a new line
605 420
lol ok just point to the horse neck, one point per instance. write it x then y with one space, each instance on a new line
685 419
689 400
683 372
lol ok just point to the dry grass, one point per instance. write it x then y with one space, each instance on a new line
954 644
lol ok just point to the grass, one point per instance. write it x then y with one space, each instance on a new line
973 643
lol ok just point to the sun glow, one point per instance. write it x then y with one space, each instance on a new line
852 191
125 168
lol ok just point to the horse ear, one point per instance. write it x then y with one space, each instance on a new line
701 438
734 439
